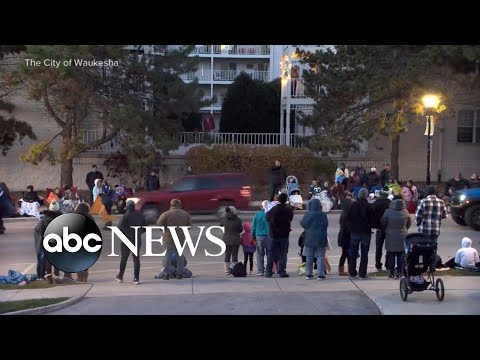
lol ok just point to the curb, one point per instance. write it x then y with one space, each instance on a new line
45 309
19 219
375 302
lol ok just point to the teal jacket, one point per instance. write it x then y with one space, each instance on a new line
260 224
315 223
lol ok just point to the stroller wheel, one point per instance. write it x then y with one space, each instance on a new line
439 289
403 289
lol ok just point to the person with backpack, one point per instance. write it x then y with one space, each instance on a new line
231 237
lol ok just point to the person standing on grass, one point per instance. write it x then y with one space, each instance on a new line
90 181
277 179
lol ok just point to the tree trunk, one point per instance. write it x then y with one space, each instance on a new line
394 157
66 172
66 176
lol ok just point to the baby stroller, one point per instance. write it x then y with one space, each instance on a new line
420 252
293 192
327 203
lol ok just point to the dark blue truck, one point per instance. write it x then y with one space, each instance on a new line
465 208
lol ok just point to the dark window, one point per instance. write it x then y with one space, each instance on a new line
187 184
233 182
468 126
206 184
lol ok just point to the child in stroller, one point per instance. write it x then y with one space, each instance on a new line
293 192
421 257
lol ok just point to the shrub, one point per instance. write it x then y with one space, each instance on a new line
257 161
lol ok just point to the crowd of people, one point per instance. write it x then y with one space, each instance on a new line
387 212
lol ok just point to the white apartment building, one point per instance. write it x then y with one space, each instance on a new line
219 65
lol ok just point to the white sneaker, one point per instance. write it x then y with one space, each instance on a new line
309 277
260 274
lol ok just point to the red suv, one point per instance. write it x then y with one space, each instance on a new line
199 194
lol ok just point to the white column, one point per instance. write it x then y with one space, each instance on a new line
211 78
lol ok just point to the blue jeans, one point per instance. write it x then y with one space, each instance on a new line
262 245
311 253
277 252
361 241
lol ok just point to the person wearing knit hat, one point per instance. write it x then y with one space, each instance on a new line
176 216
379 207
54 206
360 219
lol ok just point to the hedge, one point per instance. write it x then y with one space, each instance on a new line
256 161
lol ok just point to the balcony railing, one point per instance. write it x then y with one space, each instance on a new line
224 75
217 103
89 136
258 139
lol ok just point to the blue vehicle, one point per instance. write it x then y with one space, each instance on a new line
465 208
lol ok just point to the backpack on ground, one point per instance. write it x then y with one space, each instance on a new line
238 270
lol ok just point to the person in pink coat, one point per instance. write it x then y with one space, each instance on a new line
410 195
249 246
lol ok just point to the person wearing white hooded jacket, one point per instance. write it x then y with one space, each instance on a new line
466 257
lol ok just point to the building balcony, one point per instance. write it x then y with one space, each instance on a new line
224 75
218 102
253 139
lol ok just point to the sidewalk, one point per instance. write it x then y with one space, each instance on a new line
294 295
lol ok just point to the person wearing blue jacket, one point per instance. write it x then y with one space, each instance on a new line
315 223
260 234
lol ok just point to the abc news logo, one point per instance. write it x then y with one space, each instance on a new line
73 242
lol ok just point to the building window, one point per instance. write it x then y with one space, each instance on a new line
468 128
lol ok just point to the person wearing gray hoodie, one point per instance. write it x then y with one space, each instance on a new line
466 257
395 222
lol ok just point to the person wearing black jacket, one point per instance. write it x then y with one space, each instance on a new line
44 269
279 219
344 234
152 183
90 180
83 209
277 179
360 219
131 218
379 207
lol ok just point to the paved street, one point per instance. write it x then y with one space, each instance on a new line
17 250
209 292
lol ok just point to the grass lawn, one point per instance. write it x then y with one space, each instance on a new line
34 285
9 306
450 272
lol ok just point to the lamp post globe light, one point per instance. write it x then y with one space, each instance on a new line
430 102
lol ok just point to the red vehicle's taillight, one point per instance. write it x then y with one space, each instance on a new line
245 192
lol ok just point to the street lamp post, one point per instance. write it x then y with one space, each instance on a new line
430 102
